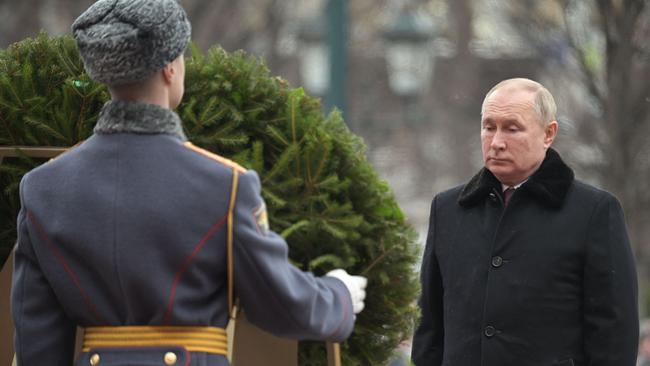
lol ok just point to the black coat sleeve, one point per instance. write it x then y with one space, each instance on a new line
611 322
428 337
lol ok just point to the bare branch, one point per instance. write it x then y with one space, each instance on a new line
588 74
641 106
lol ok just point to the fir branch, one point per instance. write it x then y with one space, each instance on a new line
283 161
258 157
8 85
293 110
9 131
273 198
276 134
335 232
293 228
79 124
234 107
43 127
327 259
377 260
231 141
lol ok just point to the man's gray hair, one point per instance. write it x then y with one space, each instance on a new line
545 106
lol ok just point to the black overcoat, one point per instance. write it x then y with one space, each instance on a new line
548 280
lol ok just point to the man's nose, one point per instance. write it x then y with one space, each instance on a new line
498 141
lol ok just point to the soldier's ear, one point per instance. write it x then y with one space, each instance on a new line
169 72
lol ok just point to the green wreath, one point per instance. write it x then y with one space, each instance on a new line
322 194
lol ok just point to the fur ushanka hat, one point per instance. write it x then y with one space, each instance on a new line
125 41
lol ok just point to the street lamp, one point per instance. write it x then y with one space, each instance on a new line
314 58
409 53
324 55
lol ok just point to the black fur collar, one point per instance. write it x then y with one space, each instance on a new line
119 116
549 184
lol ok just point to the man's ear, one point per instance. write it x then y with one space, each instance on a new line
550 131
168 72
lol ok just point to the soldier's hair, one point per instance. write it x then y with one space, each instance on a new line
545 106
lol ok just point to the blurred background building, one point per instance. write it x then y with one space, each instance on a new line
410 76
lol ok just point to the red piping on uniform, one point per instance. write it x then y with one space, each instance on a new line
213 230
65 265
189 358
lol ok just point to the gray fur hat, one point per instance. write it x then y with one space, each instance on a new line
125 41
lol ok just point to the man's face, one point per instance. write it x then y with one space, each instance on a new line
514 143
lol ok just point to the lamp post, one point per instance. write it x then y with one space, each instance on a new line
409 58
314 57
337 40
323 61
409 53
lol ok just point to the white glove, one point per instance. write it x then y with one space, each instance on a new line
356 286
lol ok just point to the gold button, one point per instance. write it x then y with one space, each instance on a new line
170 358
94 359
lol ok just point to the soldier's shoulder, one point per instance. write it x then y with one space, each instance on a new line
56 155
50 173
214 157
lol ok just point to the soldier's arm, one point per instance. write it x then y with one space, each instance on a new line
44 334
611 323
276 295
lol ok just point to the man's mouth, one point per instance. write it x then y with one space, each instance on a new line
497 160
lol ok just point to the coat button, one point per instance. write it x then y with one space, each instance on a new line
497 261
493 197
490 331
170 358
94 359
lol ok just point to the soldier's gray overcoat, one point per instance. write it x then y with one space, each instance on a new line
129 228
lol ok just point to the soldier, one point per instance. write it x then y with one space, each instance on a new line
133 233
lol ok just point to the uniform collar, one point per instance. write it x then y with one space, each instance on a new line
119 116
549 184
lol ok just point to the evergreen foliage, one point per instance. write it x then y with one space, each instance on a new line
322 194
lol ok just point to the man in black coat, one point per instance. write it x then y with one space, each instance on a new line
525 265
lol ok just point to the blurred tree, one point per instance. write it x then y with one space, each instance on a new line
602 47
19 19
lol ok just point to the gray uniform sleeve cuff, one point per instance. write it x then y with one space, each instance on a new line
343 296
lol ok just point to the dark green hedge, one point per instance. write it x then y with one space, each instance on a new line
322 194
